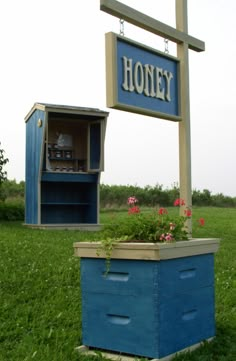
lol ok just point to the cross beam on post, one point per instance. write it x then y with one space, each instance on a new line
184 42
150 24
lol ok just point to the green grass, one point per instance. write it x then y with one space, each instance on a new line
40 312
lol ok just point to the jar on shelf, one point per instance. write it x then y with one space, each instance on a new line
68 154
58 154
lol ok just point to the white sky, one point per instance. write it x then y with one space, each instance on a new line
54 51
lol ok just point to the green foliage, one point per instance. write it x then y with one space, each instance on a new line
12 210
12 189
149 226
106 245
12 205
114 196
154 226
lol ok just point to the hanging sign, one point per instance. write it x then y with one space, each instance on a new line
140 79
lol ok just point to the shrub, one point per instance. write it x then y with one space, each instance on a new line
12 210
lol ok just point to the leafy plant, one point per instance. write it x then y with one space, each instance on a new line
138 226
106 246
155 226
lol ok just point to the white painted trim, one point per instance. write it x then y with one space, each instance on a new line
149 251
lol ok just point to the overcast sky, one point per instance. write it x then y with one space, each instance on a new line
53 51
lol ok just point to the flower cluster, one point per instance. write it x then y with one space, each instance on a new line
158 226
132 205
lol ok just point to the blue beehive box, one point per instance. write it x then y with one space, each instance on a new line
150 308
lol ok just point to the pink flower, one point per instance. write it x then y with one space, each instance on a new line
162 211
169 237
162 237
179 202
132 200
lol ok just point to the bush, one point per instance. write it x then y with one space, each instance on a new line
12 210
12 189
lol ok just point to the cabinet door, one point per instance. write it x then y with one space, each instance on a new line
96 135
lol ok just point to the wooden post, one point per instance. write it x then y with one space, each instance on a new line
184 125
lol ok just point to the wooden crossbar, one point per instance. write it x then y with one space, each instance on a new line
150 24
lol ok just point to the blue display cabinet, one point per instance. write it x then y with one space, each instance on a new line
64 160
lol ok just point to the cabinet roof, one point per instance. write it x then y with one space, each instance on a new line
69 109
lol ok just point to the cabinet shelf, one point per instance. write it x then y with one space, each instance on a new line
79 177
65 204
64 159
66 164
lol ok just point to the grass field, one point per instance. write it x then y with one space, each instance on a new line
40 314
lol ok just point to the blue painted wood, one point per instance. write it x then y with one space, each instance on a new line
72 214
68 202
186 319
147 308
34 150
69 177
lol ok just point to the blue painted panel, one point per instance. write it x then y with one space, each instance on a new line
68 202
144 55
186 319
147 308
121 324
34 145
69 177
68 214
186 274
124 277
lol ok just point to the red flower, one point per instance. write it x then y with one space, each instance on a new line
179 202
201 221
188 212
134 209
162 211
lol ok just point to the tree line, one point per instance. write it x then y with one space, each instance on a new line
113 197
151 196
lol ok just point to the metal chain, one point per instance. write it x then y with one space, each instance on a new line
122 27
166 42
